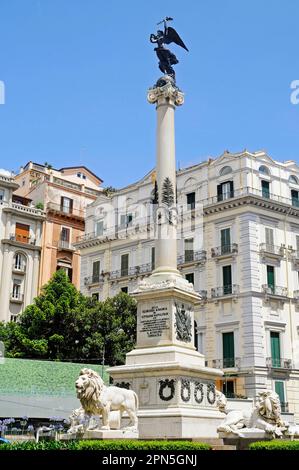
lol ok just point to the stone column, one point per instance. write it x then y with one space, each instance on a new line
166 96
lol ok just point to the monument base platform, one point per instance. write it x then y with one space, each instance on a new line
100 434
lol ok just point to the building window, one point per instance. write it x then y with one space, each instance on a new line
293 179
2 193
65 234
16 289
269 236
225 190
295 198
189 250
66 205
265 170
190 277
297 244
190 201
22 233
225 241
279 389
96 271
124 289
126 220
195 336
271 278
228 388
227 279
68 271
99 228
19 262
200 342
226 170
275 348
124 265
153 258
95 296
228 345
266 189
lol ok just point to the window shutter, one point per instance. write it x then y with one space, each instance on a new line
219 192
228 349
269 233
271 277
225 241
227 276
96 270
231 188
279 389
275 348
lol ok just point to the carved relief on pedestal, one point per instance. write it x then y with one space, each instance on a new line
166 389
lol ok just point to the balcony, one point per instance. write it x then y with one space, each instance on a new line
133 271
16 297
275 292
225 291
204 295
66 211
65 245
295 258
296 296
224 251
19 268
227 363
272 251
279 363
284 407
22 239
192 257
95 279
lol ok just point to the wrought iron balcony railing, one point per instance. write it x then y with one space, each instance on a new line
226 363
65 245
272 249
275 290
95 279
192 257
65 210
224 250
223 291
203 294
296 295
279 363
22 239
16 297
132 271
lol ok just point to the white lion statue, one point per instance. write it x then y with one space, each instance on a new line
98 400
266 415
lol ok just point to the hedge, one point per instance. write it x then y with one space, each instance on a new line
275 445
107 445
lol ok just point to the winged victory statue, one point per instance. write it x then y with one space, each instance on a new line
166 58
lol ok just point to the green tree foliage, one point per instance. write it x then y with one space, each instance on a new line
62 324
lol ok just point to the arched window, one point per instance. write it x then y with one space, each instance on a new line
265 170
225 171
19 262
293 179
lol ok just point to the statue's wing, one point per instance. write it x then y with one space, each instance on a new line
172 36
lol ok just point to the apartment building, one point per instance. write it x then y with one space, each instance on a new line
20 250
64 195
238 244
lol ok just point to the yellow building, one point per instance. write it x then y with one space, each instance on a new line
64 195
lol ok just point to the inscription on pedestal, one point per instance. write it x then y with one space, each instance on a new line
154 322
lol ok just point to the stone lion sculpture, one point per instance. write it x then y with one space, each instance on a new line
266 415
99 400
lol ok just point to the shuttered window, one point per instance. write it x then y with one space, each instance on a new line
227 279
295 198
225 241
279 389
275 349
228 349
271 278
153 258
189 252
96 271
266 189
191 201
225 190
124 265
269 236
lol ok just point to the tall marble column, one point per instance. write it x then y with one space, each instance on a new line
176 391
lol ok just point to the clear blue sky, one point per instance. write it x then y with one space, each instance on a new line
76 74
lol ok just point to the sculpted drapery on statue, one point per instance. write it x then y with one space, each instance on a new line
166 58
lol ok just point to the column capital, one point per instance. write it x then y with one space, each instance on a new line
165 90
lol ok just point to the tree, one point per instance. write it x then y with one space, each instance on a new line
167 192
62 324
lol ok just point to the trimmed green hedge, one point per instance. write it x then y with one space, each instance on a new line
107 445
275 445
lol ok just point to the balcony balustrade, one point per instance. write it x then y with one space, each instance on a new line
276 291
279 363
224 291
192 257
272 251
224 250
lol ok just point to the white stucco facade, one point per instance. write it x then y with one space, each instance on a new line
20 235
240 214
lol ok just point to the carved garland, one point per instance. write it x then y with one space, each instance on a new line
198 392
185 390
211 393
167 383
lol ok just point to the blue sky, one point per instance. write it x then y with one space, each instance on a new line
76 74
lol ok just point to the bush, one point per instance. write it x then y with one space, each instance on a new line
275 445
107 445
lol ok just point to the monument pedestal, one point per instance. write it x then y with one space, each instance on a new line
177 395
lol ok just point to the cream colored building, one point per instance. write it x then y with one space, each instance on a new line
239 244
64 195
20 251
